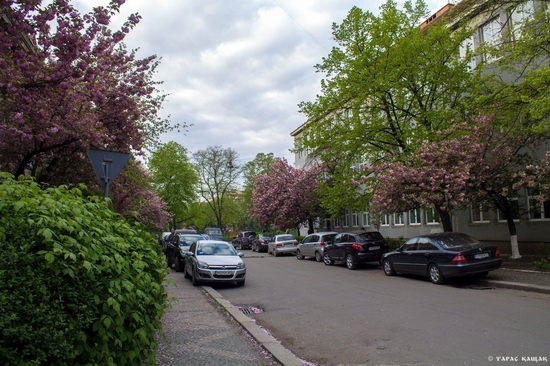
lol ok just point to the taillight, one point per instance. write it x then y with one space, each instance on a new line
356 247
459 258
497 253
322 244
279 244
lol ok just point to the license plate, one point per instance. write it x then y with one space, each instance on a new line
375 248
481 255
223 273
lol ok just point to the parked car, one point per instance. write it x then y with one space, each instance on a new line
259 244
214 233
314 244
282 244
177 231
177 248
243 240
441 256
354 249
214 261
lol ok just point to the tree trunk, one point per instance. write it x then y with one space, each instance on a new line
310 230
445 217
503 204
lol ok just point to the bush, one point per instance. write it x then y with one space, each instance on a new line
78 284
542 264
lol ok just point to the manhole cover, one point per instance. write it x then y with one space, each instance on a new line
247 310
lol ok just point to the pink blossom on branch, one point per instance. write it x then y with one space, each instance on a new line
286 196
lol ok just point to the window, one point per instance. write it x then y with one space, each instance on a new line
538 210
479 213
520 15
385 220
365 218
346 219
491 34
415 217
432 217
354 219
467 46
399 219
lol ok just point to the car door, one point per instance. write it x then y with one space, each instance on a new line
421 256
402 259
309 247
338 248
190 259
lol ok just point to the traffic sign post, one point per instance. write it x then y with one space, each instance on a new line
107 165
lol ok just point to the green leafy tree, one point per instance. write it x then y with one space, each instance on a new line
388 85
79 285
218 174
174 178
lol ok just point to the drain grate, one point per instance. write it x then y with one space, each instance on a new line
248 310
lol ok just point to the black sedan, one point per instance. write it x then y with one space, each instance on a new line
441 256
177 248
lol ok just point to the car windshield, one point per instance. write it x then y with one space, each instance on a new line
215 249
285 237
368 237
213 231
187 240
456 240
265 237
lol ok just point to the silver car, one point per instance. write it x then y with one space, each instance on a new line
282 244
214 261
314 244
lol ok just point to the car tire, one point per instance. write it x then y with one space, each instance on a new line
435 274
194 280
185 274
299 255
318 257
327 260
351 263
275 253
178 266
388 268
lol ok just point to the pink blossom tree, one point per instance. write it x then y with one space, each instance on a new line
286 196
68 83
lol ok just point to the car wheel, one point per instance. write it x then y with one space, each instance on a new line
351 263
388 268
185 274
435 274
327 260
194 279
275 252
318 257
299 255
179 266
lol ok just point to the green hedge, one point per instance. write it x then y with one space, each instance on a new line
78 284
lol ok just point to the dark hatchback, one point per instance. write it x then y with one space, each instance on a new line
177 248
354 249
259 244
441 256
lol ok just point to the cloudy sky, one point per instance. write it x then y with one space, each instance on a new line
236 70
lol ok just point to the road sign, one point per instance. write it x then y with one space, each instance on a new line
107 165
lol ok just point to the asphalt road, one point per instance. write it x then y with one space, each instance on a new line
329 315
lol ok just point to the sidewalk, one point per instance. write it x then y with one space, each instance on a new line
203 328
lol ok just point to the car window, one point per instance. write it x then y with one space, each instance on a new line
424 244
193 246
285 237
456 240
338 238
366 237
329 238
409 245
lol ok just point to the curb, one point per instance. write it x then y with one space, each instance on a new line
269 343
518 286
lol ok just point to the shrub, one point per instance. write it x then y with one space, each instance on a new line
542 264
78 284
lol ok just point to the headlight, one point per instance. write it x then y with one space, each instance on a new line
202 265
240 265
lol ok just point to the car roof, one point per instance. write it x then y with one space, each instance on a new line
323 233
214 242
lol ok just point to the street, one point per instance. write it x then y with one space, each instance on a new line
329 315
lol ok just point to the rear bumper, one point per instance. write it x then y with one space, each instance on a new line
283 250
464 269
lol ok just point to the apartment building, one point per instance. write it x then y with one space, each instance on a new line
532 218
